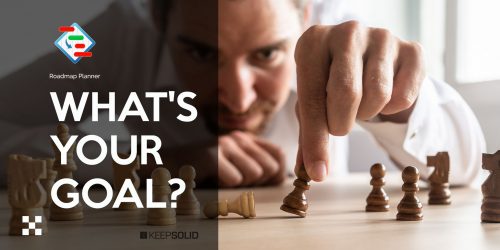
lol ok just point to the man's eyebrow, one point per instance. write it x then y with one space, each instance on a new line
195 43
278 44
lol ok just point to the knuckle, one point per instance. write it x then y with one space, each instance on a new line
273 169
234 181
280 153
228 179
255 174
378 89
346 91
352 26
224 141
310 36
380 35
236 133
348 36
403 101
413 49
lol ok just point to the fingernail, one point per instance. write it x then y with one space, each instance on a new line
318 172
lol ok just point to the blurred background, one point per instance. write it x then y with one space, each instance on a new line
460 39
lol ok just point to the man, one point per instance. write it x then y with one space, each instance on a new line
345 73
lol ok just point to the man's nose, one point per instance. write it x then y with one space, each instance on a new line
236 87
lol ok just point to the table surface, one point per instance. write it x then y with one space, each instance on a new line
336 220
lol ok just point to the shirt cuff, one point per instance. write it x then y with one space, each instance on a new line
407 143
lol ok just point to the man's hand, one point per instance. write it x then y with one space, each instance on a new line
347 72
246 160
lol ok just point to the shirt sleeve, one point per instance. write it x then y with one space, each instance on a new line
440 121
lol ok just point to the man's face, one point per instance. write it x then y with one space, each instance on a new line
253 54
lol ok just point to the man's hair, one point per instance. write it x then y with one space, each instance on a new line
160 8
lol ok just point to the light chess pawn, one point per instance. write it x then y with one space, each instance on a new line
187 203
65 171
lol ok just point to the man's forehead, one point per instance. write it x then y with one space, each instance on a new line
196 18
255 23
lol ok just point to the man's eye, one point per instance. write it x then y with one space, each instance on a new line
266 54
202 55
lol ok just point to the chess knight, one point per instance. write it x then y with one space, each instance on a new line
491 188
26 194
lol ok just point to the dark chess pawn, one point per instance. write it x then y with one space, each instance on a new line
377 200
410 208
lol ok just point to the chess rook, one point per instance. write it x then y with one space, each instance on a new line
187 203
26 194
244 205
377 200
490 209
296 201
65 171
440 188
123 172
410 208
161 193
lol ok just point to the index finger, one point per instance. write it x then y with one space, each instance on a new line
313 60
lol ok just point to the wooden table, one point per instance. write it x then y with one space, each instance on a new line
335 220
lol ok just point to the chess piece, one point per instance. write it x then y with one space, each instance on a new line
49 180
296 201
490 209
65 171
161 193
440 188
410 208
26 194
123 172
377 200
187 203
244 205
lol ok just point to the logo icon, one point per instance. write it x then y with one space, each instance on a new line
74 42
32 225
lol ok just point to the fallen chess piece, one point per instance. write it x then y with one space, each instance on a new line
296 201
490 209
440 188
410 208
377 200
244 205
26 194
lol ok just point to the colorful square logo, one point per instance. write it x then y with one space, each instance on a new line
74 42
